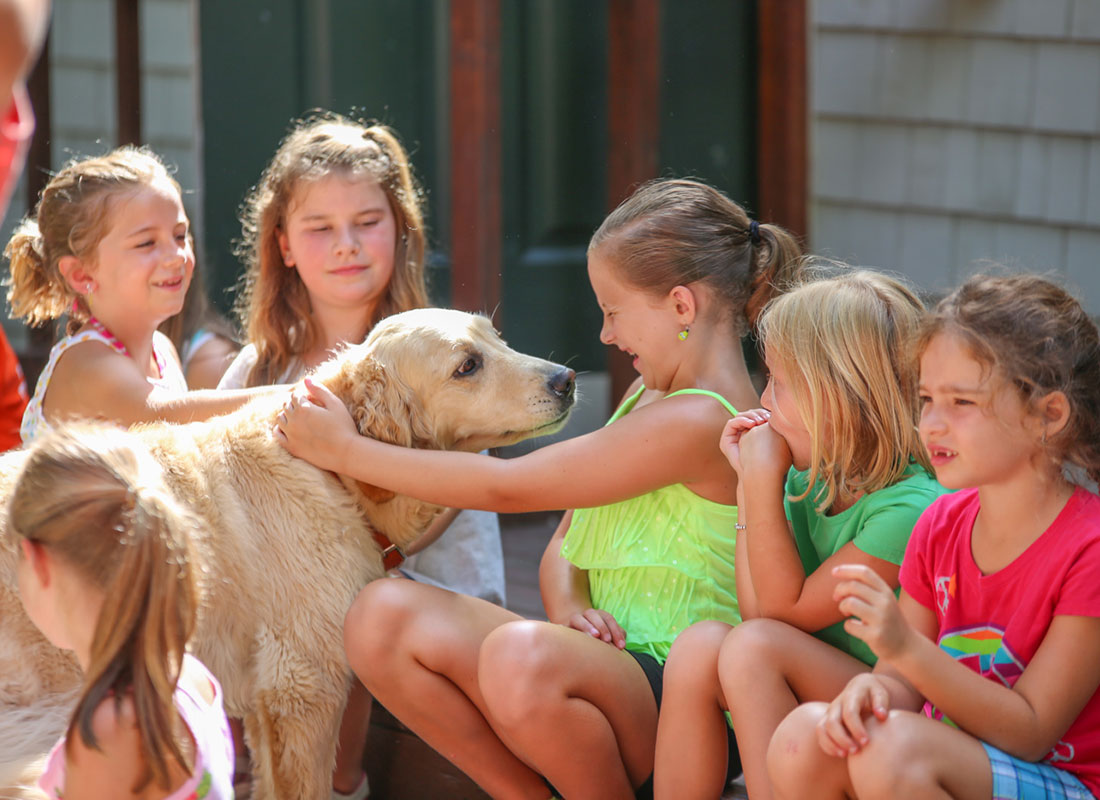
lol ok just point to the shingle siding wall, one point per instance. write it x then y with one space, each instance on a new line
950 132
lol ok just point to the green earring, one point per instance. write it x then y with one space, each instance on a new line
684 334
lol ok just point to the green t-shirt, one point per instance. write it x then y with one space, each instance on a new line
879 524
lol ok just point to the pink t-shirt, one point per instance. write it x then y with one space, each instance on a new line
212 778
995 623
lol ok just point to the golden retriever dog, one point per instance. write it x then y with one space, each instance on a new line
285 546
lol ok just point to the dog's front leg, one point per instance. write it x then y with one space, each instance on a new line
292 728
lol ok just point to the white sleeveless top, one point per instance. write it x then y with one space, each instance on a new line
171 376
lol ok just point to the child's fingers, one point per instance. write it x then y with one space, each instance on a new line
580 623
880 701
851 713
597 621
832 735
618 635
320 394
857 607
860 573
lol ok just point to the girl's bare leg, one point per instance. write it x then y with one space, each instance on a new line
578 709
352 742
766 668
692 752
415 648
911 755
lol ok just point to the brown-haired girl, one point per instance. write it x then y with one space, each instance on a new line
678 270
110 246
334 240
105 571
997 628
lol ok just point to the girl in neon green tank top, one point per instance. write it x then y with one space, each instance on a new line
679 271
833 472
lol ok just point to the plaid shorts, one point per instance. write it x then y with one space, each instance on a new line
1014 779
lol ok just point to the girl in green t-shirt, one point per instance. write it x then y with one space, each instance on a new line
830 471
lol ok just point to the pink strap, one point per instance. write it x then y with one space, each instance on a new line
121 348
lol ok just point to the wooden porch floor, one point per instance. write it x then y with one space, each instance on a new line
401 767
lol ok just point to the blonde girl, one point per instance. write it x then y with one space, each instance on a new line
832 472
105 571
110 246
997 629
679 271
334 240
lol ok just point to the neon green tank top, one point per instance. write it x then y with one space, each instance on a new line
658 562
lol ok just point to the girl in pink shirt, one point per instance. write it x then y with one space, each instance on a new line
996 634
105 571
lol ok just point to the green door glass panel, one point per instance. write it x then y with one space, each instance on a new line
554 174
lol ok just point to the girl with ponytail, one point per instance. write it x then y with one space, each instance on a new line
109 246
680 272
105 570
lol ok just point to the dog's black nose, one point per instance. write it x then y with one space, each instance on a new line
563 383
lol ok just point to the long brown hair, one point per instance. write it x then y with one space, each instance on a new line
96 499
273 304
674 232
71 218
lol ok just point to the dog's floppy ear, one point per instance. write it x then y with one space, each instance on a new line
383 407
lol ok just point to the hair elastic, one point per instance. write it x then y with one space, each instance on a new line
754 232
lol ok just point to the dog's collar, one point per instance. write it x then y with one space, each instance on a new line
392 555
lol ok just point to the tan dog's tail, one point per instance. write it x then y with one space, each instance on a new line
26 735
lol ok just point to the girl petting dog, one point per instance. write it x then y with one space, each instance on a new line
831 471
104 571
997 629
110 246
680 272
334 240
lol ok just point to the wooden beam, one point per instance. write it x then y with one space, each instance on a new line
476 225
633 122
782 108
35 352
128 71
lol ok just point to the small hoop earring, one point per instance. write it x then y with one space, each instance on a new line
684 333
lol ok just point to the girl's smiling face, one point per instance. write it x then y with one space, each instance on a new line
974 424
143 264
340 234
639 323
786 420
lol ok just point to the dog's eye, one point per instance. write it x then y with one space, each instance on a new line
468 367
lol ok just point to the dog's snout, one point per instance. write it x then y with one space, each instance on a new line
563 383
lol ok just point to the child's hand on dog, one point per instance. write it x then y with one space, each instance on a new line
316 426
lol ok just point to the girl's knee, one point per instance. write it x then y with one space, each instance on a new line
893 758
379 616
793 753
692 663
518 670
749 648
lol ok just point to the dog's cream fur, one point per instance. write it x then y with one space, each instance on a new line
285 546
